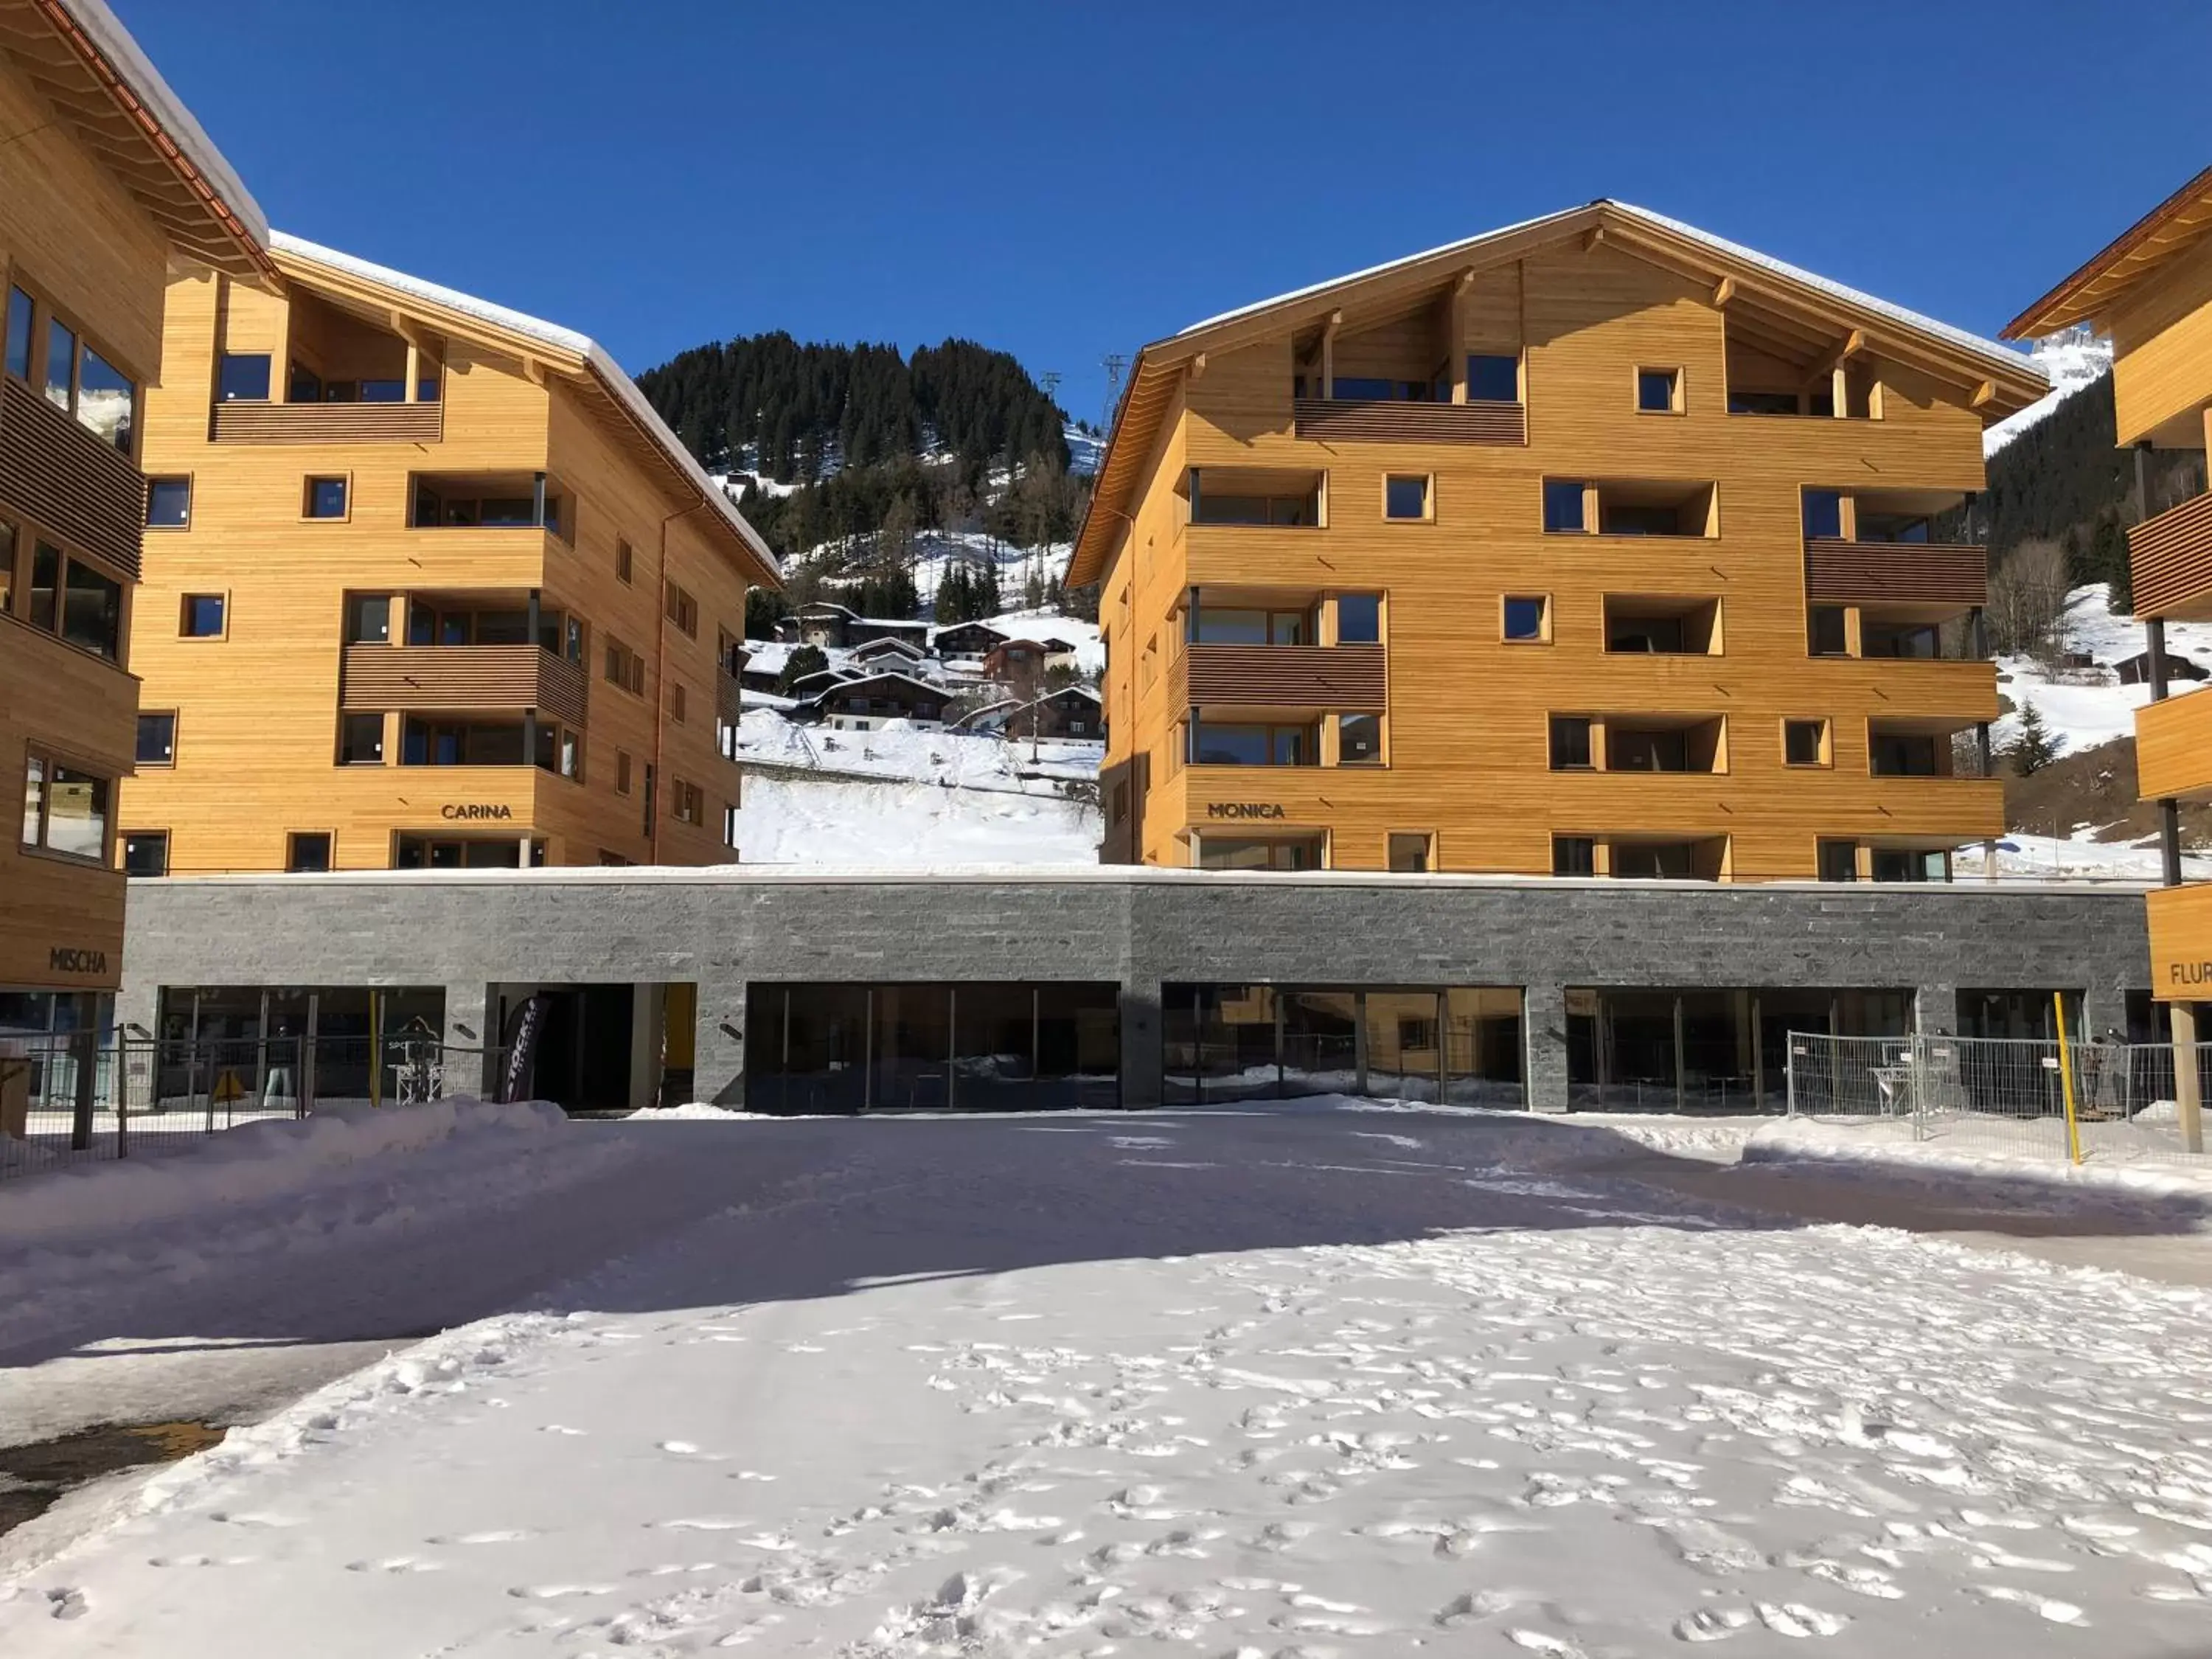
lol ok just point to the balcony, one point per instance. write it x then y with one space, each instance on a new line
2174 748
2171 556
56 472
1281 676
245 422
461 679
1951 575
2181 943
1391 420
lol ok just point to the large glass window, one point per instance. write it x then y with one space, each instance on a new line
1824 514
20 309
1259 852
1839 860
1563 504
1218 743
61 363
1574 856
360 740
242 377
92 614
65 808
1493 379
368 619
1825 634
46 587
1359 619
1359 740
1571 742
107 400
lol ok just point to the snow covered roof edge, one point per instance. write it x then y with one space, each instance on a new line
568 339
105 31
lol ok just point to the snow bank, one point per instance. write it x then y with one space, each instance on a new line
1886 1150
239 1166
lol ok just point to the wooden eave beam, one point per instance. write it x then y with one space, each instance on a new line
1836 355
1724 291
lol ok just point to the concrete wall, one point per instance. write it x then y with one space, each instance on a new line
1139 927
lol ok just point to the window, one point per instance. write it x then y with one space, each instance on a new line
1902 755
107 400
1839 860
327 498
157 738
1413 852
92 612
1903 863
624 560
1805 743
1216 744
205 617
622 772
20 307
1659 390
8 544
368 619
65 809
1226 625
1406 495
360 740
1574 856
730 828
1527 619
308 852
1563 504
1492 379
624 668
1571 742
687 803
242 377
1824 514
168 503
305 385
1824 633
61 363
145 852
1359 619
1359 740
683 610
46 587
677 701
1762 403
1273 852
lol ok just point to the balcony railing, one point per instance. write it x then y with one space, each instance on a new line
729 699
56 472
1343 420
2170 557
1895 573
461 679
1347 676
245 423
2174 747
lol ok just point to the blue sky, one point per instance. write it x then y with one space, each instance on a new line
1063 181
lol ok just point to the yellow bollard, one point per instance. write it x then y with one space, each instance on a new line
2066 1077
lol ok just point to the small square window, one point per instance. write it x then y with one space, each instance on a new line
368 619
1839 860
203 616
1359 619
1824 515
157 738
1563 504
1493 379
1805 743
242 377
145 852
360 740
308 852
1659 390
1570 743
1413 852
1825 634
1527 619
1406 496
168 503
1574 856
327 498
1359 740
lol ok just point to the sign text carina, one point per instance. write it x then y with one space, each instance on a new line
453 810
1243 809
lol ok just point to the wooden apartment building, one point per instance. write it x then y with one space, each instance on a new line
104 178
1596 545
428 585
2151 291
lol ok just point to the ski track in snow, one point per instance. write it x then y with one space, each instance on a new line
1588 1419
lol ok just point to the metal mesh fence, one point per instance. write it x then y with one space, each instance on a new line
2001 1094
66 1100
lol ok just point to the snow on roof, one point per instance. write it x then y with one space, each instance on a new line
105 31
2013 361
567 340
878 678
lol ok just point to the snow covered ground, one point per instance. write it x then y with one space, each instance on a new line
899 824
2089 711
1287 1383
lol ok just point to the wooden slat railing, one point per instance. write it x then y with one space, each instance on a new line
1349 677
729 699
2174 747
1349 421
69 481
2170 559
461 679
1898 572
328 423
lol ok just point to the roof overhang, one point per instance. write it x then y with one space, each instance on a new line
115 103
544 348
2172 227
1782 298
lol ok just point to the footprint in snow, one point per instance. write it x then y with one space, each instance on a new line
497 1535
555 1592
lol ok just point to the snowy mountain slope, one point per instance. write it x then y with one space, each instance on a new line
2088 710
2072 360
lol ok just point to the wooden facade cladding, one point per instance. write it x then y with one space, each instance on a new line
1333 419
2174 748
461 679
2170 557
328 423
68 481
1895 573
1335 676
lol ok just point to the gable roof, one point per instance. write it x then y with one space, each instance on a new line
87 65
860 682
581 359
884 642
2010 380
2172 227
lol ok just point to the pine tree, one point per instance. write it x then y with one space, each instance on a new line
2037 746
807 659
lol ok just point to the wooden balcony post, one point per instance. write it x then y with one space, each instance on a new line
411 392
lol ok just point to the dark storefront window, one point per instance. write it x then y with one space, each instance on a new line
1673 1050
1227 1042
